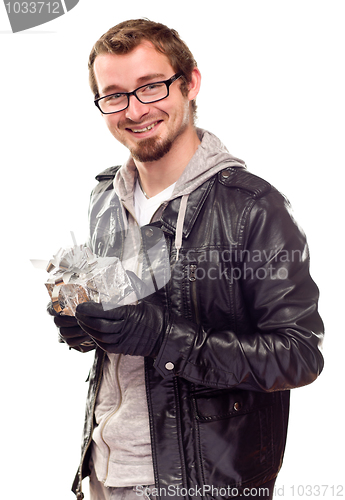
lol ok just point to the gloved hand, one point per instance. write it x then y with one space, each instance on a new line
70 332
137 330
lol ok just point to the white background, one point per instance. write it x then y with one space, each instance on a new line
273 91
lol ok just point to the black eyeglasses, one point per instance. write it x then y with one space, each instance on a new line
146 94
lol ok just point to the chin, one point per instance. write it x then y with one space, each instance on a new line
150 150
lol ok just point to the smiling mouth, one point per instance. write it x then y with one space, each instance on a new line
145 129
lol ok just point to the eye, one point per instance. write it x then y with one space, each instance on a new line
152 88
113 97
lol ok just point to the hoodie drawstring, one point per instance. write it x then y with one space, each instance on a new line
179 224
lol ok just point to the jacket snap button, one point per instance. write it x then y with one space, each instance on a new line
149 232
225 174
237 406
169 365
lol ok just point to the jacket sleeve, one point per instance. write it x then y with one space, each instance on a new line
281 349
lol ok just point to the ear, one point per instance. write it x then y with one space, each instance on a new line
194 85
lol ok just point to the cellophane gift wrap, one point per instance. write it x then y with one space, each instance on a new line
76 275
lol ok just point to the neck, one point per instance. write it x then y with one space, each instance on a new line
157 175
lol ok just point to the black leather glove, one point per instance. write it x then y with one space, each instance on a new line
137 330
70 332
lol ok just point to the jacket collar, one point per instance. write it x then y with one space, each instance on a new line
196 199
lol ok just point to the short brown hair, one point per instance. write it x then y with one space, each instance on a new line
124 37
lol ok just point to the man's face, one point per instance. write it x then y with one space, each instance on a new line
149 131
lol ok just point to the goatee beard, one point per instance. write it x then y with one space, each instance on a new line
151 150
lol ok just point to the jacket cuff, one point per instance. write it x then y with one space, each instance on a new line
178 341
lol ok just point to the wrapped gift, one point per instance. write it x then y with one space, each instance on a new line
76 275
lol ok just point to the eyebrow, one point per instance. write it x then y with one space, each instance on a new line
140 81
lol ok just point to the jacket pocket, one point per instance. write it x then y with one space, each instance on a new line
235 436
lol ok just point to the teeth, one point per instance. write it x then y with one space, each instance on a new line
146 128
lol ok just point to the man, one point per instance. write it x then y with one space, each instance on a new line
189 392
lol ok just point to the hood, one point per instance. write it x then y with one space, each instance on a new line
210 158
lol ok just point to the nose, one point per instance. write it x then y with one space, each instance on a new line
136 110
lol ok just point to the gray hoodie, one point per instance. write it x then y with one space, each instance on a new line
122 451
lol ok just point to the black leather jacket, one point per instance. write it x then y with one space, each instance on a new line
245 330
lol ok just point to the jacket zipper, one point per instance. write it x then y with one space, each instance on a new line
192 278
179 431
79 492
112 413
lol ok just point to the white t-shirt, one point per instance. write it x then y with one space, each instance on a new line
146 207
